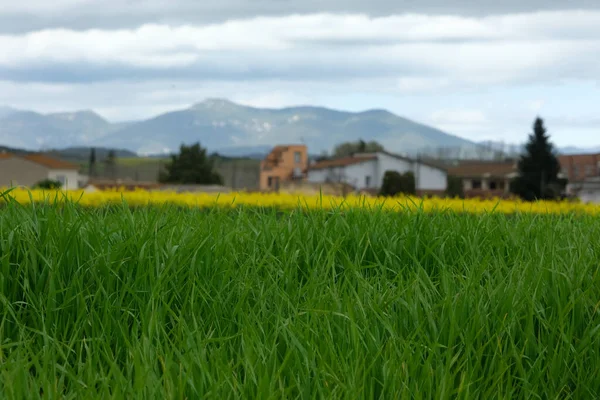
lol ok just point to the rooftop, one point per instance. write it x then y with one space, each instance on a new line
50 162
362 157
483 168
343 162
44 160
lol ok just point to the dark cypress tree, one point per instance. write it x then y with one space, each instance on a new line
110 164
538 168
92 166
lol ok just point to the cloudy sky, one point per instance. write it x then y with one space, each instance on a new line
479 69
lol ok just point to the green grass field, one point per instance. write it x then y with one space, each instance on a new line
140 161
167 303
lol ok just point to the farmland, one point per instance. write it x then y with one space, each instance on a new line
140 295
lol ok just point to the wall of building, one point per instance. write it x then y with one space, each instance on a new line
285 167
590 196
580 166
16 171
70 179
430 178
354 175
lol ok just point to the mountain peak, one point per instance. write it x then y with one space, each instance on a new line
214 104
76 114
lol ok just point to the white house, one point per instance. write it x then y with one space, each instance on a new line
365 171
27 170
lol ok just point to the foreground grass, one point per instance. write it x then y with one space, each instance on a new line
166 303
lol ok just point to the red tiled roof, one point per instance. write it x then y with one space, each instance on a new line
50 162
476 169
342 162
43 160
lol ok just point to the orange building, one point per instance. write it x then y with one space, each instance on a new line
284 163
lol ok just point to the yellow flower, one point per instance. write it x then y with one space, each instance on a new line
291 201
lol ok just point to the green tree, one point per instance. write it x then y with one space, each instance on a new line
538 168
110 164
92 163
409 183
349 148
395 183
455 187
191 166
362 146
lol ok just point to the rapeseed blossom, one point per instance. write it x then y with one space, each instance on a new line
293 201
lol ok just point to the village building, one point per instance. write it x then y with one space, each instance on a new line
28 170
284 163
364 172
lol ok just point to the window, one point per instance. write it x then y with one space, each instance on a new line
297 157
477 184
576 171
62 179
270 181
367 181
493 185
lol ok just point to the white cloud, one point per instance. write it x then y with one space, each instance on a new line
416 84
423 51
468 123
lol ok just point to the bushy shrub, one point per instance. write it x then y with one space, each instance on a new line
395 183
455 187
48 184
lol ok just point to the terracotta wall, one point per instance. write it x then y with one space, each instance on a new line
285 165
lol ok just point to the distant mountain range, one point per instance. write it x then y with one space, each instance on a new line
225 127
220 124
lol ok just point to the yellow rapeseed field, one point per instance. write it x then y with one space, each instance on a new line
290 201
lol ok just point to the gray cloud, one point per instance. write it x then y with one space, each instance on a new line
19 17
417 50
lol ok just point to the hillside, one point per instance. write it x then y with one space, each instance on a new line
34 131
223 126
